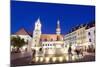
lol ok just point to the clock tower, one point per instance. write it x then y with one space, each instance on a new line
36 36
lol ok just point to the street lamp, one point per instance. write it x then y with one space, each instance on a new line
54 59
66 58
73 57
41 59
61 59
47 59
37 59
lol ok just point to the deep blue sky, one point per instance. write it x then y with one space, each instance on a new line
24 14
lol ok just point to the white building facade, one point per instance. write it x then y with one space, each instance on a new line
71 39
90 33
53 47
27 38
52 43
36 37
81 38
76 38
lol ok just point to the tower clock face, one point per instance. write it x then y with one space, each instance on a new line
38 26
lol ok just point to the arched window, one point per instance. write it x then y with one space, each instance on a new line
89 40
51 39
40 39
88 33
94 31
45 39
58 38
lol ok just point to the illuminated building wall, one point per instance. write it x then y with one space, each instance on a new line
22 33
76 38
90 36
53 47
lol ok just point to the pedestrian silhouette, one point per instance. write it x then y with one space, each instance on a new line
34 52
70 53
70 50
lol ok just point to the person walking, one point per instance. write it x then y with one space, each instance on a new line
33 56
77 52
70 51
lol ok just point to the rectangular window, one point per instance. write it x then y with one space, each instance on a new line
43 44
88 33
35 40
94 31
89 40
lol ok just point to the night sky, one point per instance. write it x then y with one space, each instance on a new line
24 15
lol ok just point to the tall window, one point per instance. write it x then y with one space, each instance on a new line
45 39
40 39
89 40
88 33
94 31
58 38
35 40
51 39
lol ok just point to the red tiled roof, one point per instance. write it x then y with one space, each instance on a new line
22 31
49 37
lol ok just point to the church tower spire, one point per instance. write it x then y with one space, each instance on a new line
36 35
58 30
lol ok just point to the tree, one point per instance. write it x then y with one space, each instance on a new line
17 42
